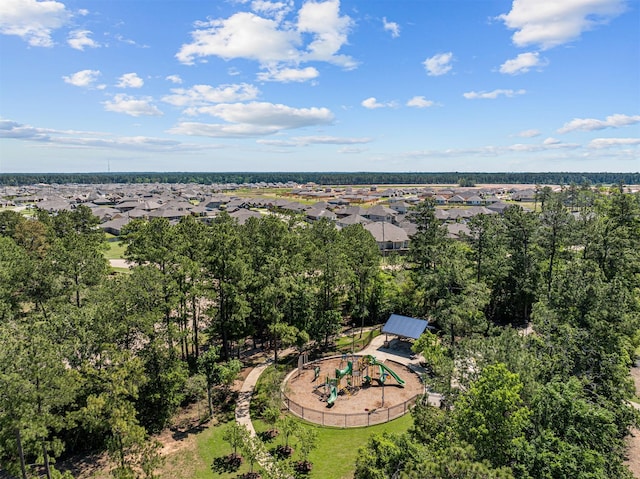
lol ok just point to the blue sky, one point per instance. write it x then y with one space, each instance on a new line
335 85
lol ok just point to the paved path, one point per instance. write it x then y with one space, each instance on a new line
243 415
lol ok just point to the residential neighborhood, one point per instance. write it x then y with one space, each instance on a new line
384 211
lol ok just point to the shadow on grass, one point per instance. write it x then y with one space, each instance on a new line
229 463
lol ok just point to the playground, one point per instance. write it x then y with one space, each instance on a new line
351 390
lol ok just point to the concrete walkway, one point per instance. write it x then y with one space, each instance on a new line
243 415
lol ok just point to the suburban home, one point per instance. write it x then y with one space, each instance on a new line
400 207
115 225
457 230
352 220
380 213
389 236
316 213
474 200
242 215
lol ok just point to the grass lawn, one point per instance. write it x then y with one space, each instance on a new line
334 457
115 248
344 344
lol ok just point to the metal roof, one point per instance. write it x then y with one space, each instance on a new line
405 326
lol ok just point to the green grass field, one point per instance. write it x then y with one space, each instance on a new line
115 248
334 457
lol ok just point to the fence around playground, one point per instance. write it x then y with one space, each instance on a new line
374 416
361 419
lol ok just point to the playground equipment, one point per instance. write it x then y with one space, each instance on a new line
340 373
383 370
332 396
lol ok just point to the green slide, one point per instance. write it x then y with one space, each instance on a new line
340 373
333 396
372 360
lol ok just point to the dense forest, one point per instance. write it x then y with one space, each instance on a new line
537 318
330 178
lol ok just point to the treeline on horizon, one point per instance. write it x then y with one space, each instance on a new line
324 178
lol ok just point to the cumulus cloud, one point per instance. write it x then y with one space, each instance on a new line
372 103
523 63
199 95
83 78
318 34
591 124
79 39
253 119
420 102
438 64
600 143
129 105
287 75
529 133
549 23
174 79
492 95
391 27
130 80
33 21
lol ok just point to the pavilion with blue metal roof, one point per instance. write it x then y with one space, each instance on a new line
404 326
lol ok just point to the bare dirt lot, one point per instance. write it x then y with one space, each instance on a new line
361 404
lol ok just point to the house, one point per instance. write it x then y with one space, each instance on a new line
380 213
457 230
456 200
474 200
242 215
352 220
400 207
388 236
315 214
115 226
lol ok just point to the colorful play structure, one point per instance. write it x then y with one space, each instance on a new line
356 374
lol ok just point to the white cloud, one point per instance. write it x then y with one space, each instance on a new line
243 35
315 140
438 64
372 103
79 39
420 102
392 27
549 23
33 21
551 141
591 124
129 105
199 95
277 10
529 133
79 139
600 143
174 79
83 78
130 80
329 31
317 35
523 63
492 95
253 119
286 75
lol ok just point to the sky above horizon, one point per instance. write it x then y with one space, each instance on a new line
335 85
